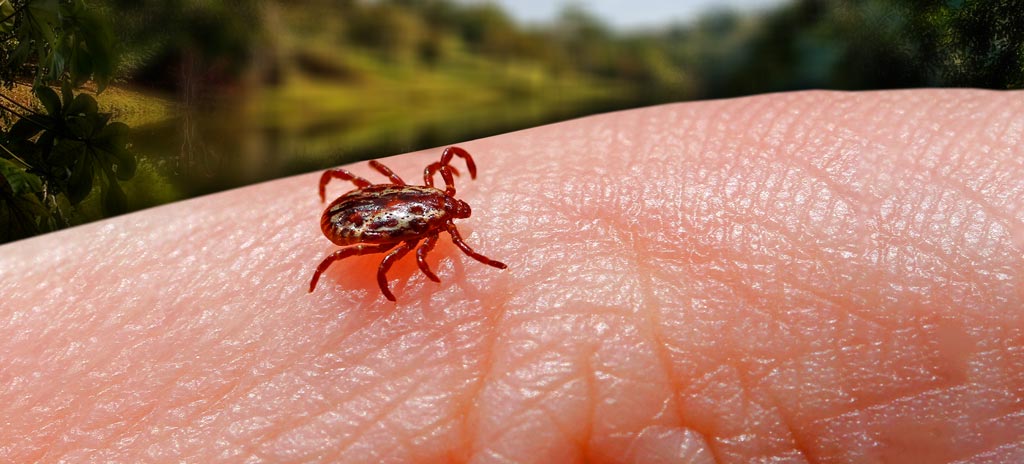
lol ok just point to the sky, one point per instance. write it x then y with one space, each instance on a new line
625 14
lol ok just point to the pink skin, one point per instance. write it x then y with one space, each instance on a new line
813 276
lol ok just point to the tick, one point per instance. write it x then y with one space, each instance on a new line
393 218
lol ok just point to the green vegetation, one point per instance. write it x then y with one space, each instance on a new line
222 93
51 156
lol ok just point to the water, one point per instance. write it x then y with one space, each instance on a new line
199 153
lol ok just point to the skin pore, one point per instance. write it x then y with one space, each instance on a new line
806 277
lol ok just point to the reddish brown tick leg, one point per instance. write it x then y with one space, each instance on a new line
421 257
345 253
446 158
457 239
449 181
446 174
381 168
385 265
343 175
428 173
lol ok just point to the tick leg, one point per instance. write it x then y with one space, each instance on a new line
381 168
385 264
345 253
457 239
449 181
421 257
446 158
342 174
428 173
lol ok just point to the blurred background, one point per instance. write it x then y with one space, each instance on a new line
110 106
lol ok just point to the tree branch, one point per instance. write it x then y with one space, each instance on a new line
15 157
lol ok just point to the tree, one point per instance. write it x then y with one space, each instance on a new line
55 150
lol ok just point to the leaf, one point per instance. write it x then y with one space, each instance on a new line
24 129
66 153
82 105
112 144
114 199
42 148
80 183
43 13
17 180
98 40
49 99
22 216
82 116
126 164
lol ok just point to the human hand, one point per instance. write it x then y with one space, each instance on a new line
808 276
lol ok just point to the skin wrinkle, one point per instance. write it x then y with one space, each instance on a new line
389 406
619 418
964 424
401 373
837 189
925 249
920 248
993 418
294 426
278 372
581 441
202 411
1007 222
470 421
531 404
794 434
281 370
994 455
750 394
142 413
720 433
1011 441
862 407
586 368
510 371
199 412
659 345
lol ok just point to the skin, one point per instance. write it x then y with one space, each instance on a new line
803 277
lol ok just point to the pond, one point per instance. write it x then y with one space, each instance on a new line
197 153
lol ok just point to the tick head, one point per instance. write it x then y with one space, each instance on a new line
457 208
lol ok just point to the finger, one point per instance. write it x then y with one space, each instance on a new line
791 275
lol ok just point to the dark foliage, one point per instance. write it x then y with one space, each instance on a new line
52 158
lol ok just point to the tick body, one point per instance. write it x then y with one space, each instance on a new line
394 218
